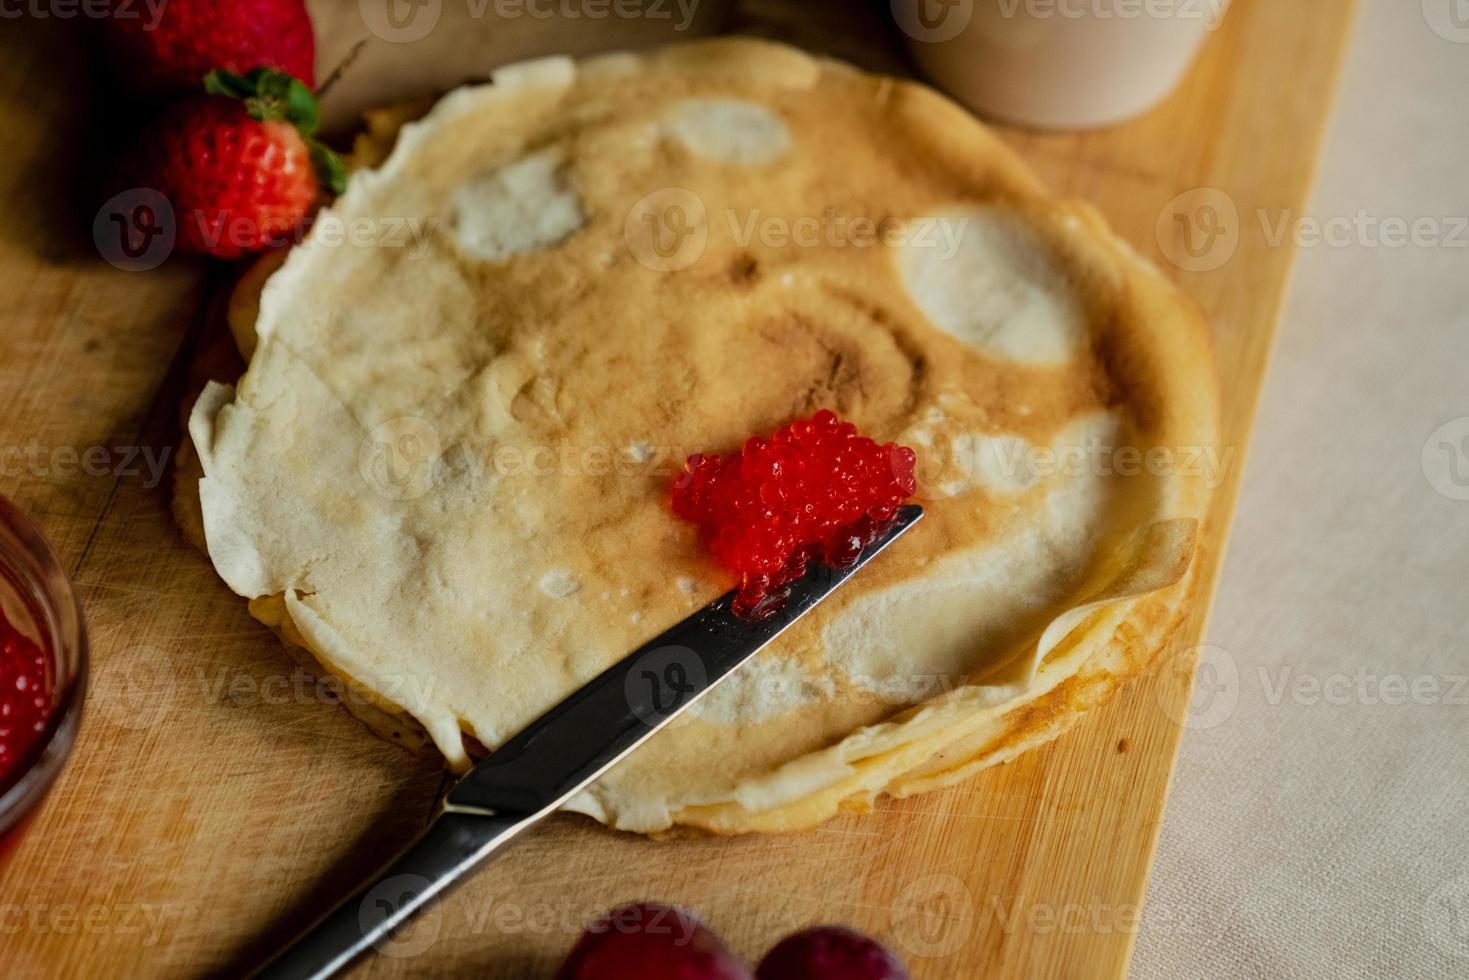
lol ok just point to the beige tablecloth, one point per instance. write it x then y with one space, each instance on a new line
1319 821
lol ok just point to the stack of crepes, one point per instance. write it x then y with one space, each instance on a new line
445 474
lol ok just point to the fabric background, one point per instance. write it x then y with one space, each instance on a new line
1319 812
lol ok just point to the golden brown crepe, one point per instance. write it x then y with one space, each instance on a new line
445 473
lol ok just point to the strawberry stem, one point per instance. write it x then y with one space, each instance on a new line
342 66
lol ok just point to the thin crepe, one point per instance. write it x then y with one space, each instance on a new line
445 472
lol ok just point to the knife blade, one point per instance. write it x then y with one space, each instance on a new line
555 757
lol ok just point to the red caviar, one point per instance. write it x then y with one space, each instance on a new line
816 490
25 695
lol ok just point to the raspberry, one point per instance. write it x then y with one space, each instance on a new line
816 490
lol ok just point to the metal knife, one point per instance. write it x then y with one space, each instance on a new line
534 773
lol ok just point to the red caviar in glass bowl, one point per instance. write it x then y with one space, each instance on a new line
25 693
816 490
43 671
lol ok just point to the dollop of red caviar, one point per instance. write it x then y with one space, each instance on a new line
25 695
816 490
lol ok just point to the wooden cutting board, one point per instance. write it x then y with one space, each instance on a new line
214 801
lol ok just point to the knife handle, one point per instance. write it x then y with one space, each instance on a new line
452 846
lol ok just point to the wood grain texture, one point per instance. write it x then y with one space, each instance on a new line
216 796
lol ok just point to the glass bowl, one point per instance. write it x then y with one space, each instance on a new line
37 599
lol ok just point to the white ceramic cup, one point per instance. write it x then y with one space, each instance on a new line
1057 64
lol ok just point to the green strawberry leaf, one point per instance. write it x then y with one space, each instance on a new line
301 108
330 171
270 86
228 84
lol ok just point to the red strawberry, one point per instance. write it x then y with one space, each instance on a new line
239 166
171 46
